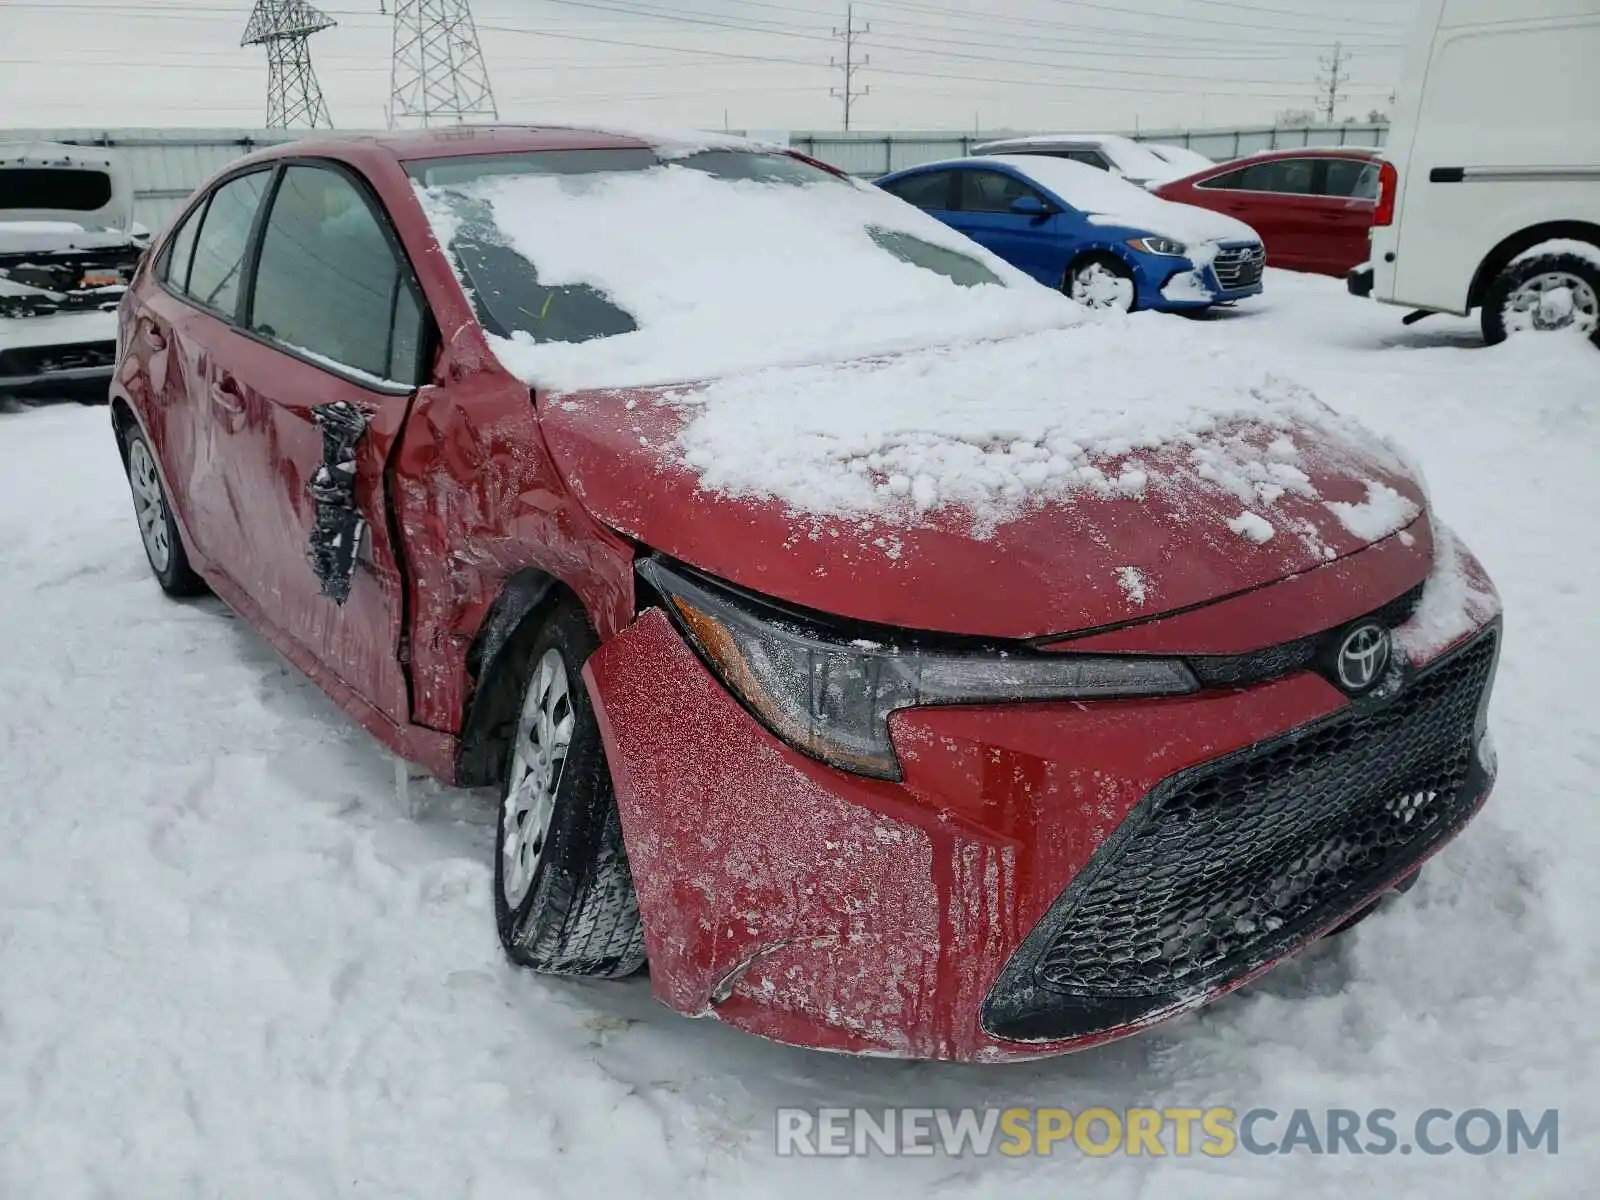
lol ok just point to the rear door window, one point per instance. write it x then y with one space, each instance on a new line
173 269
224 238
70 189
992 191
329 283
1287 176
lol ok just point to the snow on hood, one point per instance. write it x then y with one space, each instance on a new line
997 429
728 276
1113 201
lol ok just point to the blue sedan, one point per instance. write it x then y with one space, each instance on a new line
1105 242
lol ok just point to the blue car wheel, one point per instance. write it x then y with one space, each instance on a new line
1101 281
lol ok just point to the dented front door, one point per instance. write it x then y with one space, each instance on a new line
305 463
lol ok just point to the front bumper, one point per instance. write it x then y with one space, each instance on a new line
58 348
928 918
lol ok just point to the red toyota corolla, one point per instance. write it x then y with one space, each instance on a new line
901 658
1313 206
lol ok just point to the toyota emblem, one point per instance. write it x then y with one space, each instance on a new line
1363 655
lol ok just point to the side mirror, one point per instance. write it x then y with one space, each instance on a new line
1030 206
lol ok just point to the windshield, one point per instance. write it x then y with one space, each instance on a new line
508 284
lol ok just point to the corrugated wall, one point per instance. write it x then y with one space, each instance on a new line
167 164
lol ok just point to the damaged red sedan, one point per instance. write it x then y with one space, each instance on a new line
900 658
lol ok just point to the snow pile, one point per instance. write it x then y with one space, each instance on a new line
1587 251
730 275
1383 512
1112 408
1456 599
1115 202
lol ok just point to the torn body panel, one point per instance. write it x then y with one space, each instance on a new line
480 504
339 526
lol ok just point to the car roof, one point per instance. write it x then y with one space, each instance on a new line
455 141
1312 152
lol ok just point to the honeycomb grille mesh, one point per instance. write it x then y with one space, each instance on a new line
1252 848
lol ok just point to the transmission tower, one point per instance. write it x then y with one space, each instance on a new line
438 76
285 27
1335 75
849 93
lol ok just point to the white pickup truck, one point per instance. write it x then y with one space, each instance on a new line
68 247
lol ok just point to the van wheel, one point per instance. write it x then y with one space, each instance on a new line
1551 291
1101 282
563 894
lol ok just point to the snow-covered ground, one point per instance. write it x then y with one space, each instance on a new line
230 965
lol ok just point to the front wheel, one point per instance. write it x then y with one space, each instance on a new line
1101 282
1544 292
563 893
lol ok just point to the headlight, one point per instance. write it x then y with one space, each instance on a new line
1159 245
830 696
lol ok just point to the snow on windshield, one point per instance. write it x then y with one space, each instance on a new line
717 276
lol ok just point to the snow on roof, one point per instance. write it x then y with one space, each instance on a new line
723 276
1091 190
1132 158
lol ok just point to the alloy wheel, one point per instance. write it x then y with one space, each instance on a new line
544 734
149 505
1096 285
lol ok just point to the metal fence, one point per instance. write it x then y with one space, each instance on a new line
167 164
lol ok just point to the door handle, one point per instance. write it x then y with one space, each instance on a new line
225 395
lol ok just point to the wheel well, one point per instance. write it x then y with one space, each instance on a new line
514 620
122 420
1500 257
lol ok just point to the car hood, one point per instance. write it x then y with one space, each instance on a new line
1138 522
1185 222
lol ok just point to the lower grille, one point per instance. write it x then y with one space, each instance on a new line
1240 267
1224 867
44 360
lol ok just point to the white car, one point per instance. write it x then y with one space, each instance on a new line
68 247
1122 156
1489 197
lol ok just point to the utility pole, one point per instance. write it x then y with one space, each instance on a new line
285 27
849 93
1335 74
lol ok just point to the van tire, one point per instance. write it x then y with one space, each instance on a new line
1506 303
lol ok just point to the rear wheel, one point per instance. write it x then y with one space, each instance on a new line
1548 292
563 894
1101 282
162 546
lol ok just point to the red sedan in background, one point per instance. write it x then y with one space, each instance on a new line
1312 206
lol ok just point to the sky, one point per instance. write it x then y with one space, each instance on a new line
741 64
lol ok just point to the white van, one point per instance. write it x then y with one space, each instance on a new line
1490 195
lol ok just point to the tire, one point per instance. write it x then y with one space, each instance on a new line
1525 297
163 546
563 894
1101 281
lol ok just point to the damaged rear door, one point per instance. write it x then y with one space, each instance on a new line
311 393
